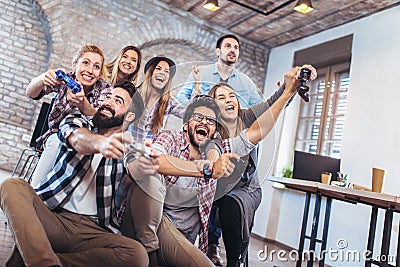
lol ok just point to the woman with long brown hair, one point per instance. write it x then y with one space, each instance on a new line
156 93
238 197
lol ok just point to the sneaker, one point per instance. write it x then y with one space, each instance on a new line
213 255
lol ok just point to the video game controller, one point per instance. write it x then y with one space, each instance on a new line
139 149
303 89
73 85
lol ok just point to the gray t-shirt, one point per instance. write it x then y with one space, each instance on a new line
182 208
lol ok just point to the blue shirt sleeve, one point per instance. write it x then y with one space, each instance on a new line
185 94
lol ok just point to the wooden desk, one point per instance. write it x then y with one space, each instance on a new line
376 200
309 187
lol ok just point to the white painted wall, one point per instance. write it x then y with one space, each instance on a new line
371 134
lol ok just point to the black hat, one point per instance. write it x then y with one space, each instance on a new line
155 60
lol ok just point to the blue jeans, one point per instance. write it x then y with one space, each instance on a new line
214 232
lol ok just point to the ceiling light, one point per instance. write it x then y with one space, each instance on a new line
211 5
303 6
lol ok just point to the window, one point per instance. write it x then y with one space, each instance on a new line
321 121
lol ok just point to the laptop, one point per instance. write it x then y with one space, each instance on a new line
307 166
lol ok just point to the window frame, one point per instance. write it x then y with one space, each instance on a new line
326 140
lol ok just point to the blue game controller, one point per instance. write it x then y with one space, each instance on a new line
73 85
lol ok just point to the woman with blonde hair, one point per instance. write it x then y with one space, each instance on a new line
125 66
88 70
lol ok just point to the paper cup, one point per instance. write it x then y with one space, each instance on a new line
378 178
326 177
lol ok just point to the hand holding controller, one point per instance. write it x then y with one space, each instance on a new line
73 85
139 149
303 88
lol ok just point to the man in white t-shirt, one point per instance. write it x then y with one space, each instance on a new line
71 218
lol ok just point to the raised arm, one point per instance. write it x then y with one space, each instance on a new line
263 125
186 91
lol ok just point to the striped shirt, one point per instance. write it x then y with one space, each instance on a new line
71 167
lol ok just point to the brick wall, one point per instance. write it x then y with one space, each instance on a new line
24 52
43 34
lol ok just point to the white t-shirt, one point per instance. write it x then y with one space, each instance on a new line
83 199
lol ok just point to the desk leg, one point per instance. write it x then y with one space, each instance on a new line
387 230
398 249
313 239
371 234
325 232
303 229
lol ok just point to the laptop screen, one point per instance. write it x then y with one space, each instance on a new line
309 166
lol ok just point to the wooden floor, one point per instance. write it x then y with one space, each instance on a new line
256 244
7 242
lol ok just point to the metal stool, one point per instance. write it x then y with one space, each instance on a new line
29 165
33 152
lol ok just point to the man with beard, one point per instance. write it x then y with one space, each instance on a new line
227 51
177 204
201 80
71 219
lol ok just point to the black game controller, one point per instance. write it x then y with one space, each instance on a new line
206 172
303 89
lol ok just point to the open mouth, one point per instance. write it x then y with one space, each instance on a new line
229 108
160 78
232 55
87 78
201 132
127 66
105 110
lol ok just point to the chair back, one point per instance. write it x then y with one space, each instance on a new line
41 125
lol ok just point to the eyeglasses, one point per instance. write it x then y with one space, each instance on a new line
199 117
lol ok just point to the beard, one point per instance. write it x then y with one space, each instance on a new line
103 122
227 61
191 138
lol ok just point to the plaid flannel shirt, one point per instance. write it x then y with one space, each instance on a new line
71 167
175 144
142 128
61 107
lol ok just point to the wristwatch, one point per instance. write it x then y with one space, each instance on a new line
207 174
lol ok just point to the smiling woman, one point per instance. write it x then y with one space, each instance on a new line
88 70
125 66
155 91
